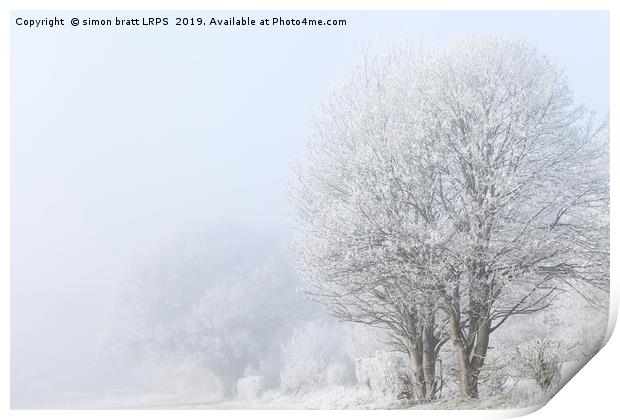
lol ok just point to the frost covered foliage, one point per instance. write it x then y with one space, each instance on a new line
315 357
363 341
187 379
385 373
578 325
541 360
447 191
220 302
250 387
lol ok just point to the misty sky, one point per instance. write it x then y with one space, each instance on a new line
124 137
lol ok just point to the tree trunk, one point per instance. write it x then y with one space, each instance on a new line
429 360
422 361
480 353
470 367
417 372
422 345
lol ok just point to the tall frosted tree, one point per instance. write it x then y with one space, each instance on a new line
367 234
448 190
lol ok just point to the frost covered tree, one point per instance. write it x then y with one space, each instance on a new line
458 185
367 234
523 180
220 301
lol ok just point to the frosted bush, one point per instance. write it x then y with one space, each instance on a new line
314 357
301 375
336 374
250 387
188 379
495 376
385 373
541 361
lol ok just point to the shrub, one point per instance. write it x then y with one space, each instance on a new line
250 387
313 357
385 373
541 362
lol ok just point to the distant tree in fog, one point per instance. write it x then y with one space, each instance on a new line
222 300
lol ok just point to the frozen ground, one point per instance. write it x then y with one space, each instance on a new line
341 397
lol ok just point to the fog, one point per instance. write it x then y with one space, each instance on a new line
132 146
